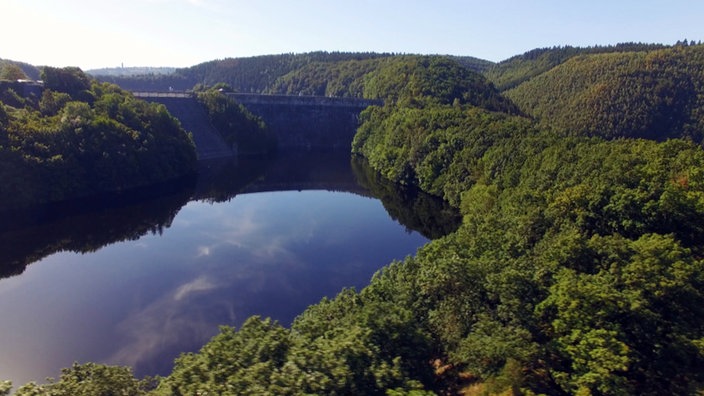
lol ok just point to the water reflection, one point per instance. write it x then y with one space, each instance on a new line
86 226
411 207
289 171
137 282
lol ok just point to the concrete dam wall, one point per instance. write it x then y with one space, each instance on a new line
310 122
209 142
298 122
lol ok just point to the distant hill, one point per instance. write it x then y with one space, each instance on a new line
513 71
347 78
649 93
270 73
340 79
252 74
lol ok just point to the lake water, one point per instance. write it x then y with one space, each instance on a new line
135 281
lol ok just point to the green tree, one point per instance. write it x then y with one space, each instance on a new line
614 326
89 379
69 80
5 388
52 101
4 117
233 362
76 114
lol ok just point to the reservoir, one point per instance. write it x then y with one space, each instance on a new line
137 279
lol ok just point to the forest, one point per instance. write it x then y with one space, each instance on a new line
77 137
577 267
260 74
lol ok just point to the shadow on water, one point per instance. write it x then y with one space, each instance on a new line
411 207
288 171
88 224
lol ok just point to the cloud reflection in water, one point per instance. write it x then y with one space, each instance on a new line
273 254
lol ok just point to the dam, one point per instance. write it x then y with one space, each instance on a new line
298 122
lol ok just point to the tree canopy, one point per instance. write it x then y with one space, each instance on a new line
83 137
654 94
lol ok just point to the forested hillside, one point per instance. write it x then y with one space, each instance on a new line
577 268
339 79
313 73
574 252
639 92
81 137
513 71
248 75
13 70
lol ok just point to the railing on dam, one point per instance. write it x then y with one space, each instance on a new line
265 99
166 94
301 100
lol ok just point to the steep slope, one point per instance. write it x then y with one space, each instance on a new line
208 141
648 94
518 69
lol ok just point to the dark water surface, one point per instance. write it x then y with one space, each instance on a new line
136 281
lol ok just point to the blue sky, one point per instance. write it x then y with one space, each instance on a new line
109 33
